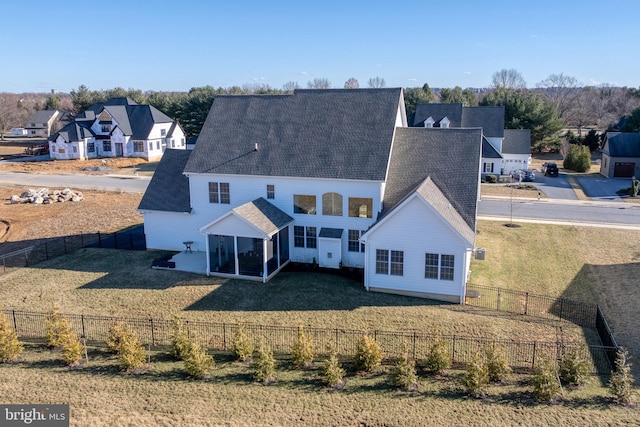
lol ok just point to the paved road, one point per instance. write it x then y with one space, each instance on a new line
555 187
89 182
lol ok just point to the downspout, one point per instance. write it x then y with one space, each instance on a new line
206 245
264 260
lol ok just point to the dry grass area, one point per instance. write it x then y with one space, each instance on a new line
509 190
99 211
14 147
100 396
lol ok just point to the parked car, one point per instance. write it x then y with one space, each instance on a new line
523 175
550 169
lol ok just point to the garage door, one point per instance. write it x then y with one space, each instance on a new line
623 170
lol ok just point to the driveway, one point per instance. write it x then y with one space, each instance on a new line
555 187
601 188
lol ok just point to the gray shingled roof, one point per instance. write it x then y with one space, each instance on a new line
74 131
333 133
331 233
490 119
133 119
169 188
489 151
40 117
516 141
432 194
450 157
625 144
263 215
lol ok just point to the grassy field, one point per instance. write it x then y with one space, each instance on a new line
597 265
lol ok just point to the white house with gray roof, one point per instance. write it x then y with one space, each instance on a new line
42 123
118 127
503 150
331 177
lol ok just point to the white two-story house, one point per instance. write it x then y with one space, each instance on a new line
331 177
503 150
117 128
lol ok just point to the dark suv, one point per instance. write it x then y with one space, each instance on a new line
550 169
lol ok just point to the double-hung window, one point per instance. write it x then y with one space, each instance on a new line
389 262
304 237
219 192
438 266
354 241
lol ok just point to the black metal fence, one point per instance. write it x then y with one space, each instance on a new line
219 336
583 314
44 249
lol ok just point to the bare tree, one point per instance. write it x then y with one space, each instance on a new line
352 83
16 109
562 91
508 79
290 86
376 82
319 83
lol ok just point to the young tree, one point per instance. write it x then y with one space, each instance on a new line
242 346
72 349
621 381
403 374
476 377
545 382
302 350
497 366
180 342
573 369
290 86
332 372
439 358
117 331
132 354
58 329
10 346
578 158
265 365
197 361
368 354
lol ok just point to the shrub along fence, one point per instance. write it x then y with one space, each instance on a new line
580 313
219 336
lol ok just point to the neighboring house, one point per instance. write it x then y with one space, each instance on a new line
117 128
42 123
620 155
330 177
18 132
503 150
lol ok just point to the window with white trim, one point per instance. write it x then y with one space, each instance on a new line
389 262
360 207
304 204
304 237
271 191
354 241
219 192
332 204
438 266
138 146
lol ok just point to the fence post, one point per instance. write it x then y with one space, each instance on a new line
224 336
336 347
414 345
533 361
82 321
15 324
99 240
526 302
561 307
4 265
82 239
26 258
498 300
453 350
153 338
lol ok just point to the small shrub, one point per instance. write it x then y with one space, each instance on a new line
180 342
491 179
132 354
10 346
621 381
242 346
476 377
332 372
438 359
73 349
265 365
403 373
302 350
573 369
545 382
116 331
57 328
578 158
498 368
368 354
197 361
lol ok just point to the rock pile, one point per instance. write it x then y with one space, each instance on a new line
44 196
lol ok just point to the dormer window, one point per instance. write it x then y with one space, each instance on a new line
163 132
429 122
444 123
105 128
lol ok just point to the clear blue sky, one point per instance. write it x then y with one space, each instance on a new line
175 45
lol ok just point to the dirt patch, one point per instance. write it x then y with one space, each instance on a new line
100 211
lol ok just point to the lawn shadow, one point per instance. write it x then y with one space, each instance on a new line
293 291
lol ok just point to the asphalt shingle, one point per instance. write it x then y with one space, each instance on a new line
168 190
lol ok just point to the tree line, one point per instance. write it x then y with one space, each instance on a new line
556 103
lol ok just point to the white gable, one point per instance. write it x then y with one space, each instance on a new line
232 225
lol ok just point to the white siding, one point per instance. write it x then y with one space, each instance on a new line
512 162
244 189
416 229
167 231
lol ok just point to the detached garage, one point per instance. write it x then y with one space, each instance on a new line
621 155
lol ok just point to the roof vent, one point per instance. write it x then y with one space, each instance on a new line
255 148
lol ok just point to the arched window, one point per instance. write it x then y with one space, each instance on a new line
332 204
